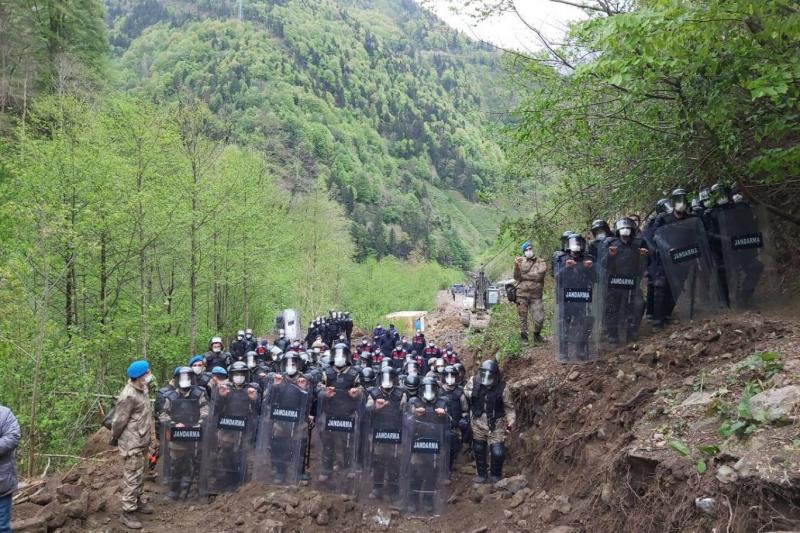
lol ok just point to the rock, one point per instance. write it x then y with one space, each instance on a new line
36 524
777 403
313 506
562 504
549 514
563 529
620 375
323 518
270 526
71 478
541 495
605 493
484 529
523 525
573 375
508 514
712 336
79 508
698 398
282 499
239 521
688 382
517 500
726 355
260 503
54 514
98 504
452 499
68 493
43 497
726 474
512 484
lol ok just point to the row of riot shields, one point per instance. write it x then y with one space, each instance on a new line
377 454
602 303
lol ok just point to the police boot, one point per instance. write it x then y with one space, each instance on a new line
128 520
479 449
174 490
498 453
524 336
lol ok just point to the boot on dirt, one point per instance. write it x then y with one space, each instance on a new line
128 520
523 336
537 337
144 508
498 453
479 450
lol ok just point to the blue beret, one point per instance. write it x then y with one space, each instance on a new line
525 245
196 359
219 371
138 369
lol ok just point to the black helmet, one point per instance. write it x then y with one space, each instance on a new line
663 206
292 364
679 200
184 377
489 373
625 223
368 377
388 378
411 367
565 240
451 376
721 194
412 385
462 372
365 358
704 195
239 368
430 389
600 229
576 240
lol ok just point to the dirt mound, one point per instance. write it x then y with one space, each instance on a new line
588 438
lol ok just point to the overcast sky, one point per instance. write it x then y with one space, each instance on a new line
507 30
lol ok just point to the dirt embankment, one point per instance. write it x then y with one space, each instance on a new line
630 443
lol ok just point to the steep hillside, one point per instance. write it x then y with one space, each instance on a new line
378 98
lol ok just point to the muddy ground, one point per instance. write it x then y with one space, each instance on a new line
629 443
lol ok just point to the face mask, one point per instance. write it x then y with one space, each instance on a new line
601 235
625 232
238 379
738 198
197 369
386 381
450 380
575 248
487 379
148 379
680 207
291 368
528 253
412 371
239 337
339 360
429 395
184 382
216 349
723 200
430 345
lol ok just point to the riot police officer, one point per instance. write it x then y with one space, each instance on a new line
600 232
492 417
215 356
184 413
385 405
457 409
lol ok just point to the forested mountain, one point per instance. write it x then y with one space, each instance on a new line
378 98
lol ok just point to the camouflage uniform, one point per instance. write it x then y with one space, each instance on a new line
529 275
132 429
481 425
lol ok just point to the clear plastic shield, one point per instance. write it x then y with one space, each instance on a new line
424 472
578 312
690 271
620 272
336 441
228 439
282 433
180 441
382 452
748 255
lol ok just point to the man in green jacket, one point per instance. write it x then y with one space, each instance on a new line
131 432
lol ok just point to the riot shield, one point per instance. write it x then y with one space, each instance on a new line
180 443
336 441
425 464
577 312
620 272
228 439
747 253
689 267
382 452
282 433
